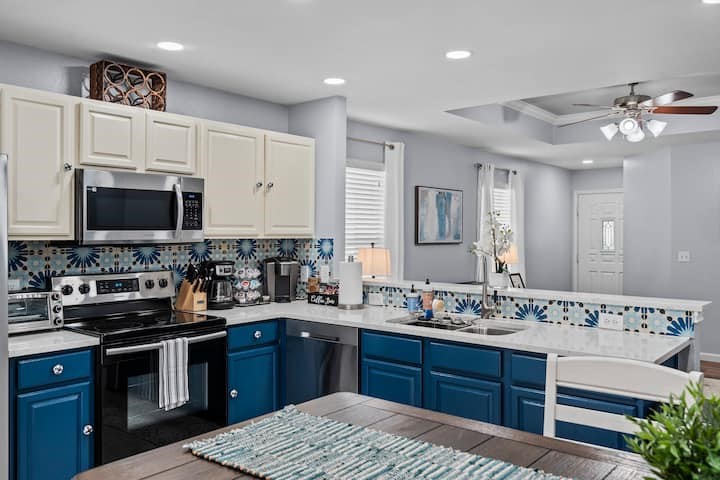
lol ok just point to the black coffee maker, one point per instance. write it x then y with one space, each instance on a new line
220 287
280 279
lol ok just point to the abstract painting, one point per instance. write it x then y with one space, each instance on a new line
438 215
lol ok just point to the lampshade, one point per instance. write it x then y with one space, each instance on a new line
628 126
637 136
375 261
609 130
510 257
656 127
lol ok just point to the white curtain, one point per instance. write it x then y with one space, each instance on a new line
485 187
517 221
394 206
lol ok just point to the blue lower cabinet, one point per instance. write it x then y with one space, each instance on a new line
253 383
464 396
392 381
527 409
52 440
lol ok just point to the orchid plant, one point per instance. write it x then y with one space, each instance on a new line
499 242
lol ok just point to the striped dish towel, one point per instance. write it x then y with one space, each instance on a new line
173 389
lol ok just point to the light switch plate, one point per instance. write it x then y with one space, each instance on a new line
376 299
683 256
610 321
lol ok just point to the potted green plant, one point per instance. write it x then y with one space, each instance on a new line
497 246
680 440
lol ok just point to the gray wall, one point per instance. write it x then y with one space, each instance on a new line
597 179
33 68
434 161
326 121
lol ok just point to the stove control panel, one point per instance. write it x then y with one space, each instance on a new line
89 289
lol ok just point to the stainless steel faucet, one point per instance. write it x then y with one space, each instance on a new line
486 309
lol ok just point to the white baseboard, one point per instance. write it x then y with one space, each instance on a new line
710 357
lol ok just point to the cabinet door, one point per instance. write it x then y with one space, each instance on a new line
391 381
38 134
290 185
253 379
464 396
233 167
170 143
112 135
50 438
527 409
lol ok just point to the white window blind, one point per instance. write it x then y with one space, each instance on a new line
502 200
364 209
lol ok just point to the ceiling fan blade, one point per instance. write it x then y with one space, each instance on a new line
667 98
605 115
591 105
684 110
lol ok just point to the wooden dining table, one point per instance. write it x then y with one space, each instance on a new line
551 455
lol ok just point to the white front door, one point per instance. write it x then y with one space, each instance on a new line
600 243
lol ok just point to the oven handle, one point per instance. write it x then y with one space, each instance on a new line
155 346
180 209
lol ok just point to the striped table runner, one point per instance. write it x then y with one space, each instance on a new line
292 445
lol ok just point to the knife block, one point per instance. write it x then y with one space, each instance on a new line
190 301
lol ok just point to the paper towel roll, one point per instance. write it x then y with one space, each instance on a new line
350 279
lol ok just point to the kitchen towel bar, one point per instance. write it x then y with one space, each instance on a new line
155 346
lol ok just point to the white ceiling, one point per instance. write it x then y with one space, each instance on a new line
392 52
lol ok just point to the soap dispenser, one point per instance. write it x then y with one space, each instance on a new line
427 299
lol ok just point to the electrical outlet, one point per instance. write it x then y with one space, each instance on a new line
376 299
683 256
610 321
13 284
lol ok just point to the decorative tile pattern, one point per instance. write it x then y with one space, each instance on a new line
34 263
649 320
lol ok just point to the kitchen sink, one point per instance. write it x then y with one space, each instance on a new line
435 324
485 330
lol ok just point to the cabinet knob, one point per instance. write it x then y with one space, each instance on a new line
270 185
257 334
258 184
233 393
67 167
88 430
58 369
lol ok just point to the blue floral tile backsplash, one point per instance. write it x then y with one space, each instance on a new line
33 263
561 312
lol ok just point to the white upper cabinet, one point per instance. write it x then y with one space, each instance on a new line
232 165
171 143
112 135
37 131
289 185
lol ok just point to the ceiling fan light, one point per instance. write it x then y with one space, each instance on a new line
637 136
656 127
629 126
609 130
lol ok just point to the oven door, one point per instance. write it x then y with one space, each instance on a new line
128 207
130 419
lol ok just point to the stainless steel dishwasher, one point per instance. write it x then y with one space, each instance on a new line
320 359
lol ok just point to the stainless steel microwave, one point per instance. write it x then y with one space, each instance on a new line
125 207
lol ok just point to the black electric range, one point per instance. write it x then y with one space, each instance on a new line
132 314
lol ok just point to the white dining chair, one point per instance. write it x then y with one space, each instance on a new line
614 376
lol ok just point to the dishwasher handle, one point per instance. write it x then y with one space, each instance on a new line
320 338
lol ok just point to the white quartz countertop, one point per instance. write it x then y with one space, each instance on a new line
47 342
539 338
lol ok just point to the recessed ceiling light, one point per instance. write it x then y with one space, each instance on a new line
588 161
458 54
170 46
334 81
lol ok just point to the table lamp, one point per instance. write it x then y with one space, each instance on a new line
375 261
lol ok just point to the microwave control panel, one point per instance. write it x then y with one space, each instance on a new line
193 211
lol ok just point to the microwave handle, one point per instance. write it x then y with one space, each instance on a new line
180 209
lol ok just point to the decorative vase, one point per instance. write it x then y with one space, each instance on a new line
498 280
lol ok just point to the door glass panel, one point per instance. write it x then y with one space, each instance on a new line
608 235
128 209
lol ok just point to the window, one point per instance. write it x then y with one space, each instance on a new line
502 199
364 206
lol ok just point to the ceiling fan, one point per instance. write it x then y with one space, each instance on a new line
633 106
